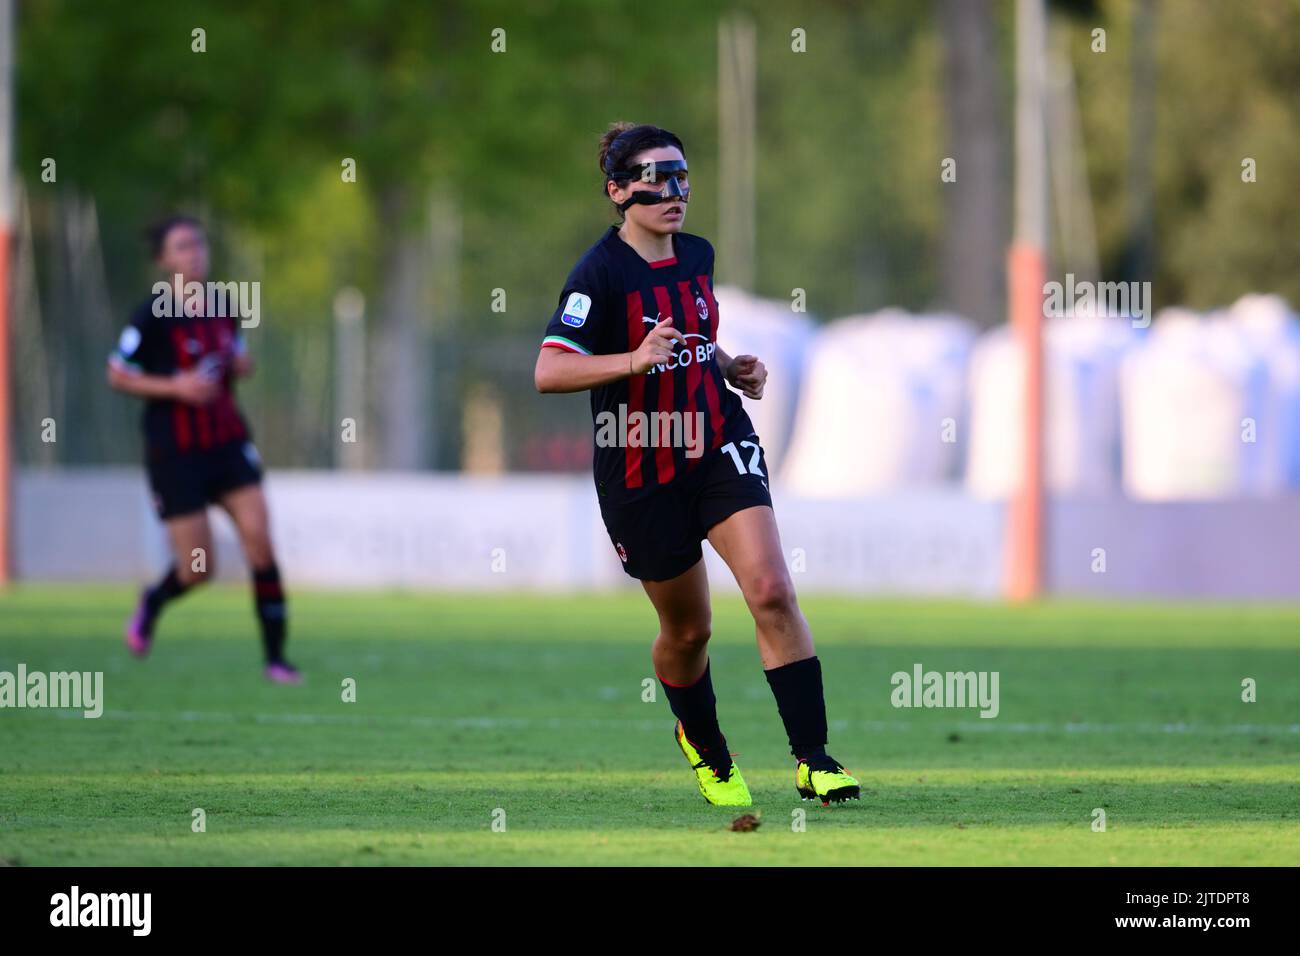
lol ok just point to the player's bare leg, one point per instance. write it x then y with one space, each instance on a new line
751 545
191 540
191 544
680 651
247 509
681 660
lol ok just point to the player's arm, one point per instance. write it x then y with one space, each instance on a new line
724 361
241 363
560 370
128 364
744 373
125 378
190 386
241 366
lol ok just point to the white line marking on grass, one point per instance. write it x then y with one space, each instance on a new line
564 723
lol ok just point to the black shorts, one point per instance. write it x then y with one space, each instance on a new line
658 537
185 482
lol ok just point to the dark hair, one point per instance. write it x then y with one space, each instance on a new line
622 141
156 234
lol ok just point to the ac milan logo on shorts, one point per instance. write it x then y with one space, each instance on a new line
622 551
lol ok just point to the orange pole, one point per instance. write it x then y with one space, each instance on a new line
1026 271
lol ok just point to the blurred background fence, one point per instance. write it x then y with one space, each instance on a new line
852 163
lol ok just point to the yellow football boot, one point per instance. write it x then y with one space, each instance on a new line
719 778
825 779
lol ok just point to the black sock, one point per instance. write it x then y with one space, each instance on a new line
696 707
270 611
169 587
797 688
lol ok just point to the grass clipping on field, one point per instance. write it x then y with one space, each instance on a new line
745 823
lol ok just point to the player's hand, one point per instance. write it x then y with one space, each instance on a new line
195 387
657 347
216 365
748 374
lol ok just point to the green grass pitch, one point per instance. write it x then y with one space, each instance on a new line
529 709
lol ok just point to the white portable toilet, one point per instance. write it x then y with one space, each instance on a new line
1186 393
1272 332
1080 415
768 328
881 405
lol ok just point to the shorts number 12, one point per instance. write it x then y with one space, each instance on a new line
730 449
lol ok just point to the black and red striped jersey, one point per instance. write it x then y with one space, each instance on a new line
611 300
164 345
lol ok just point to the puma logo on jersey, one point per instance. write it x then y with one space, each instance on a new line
701 309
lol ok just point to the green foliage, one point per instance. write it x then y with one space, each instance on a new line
850 131
1226 76
252 133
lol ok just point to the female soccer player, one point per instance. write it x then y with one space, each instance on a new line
677 459
198 449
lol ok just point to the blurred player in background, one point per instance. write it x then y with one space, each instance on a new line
637 325
198 449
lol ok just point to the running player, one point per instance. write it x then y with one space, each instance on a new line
677 459
198 449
